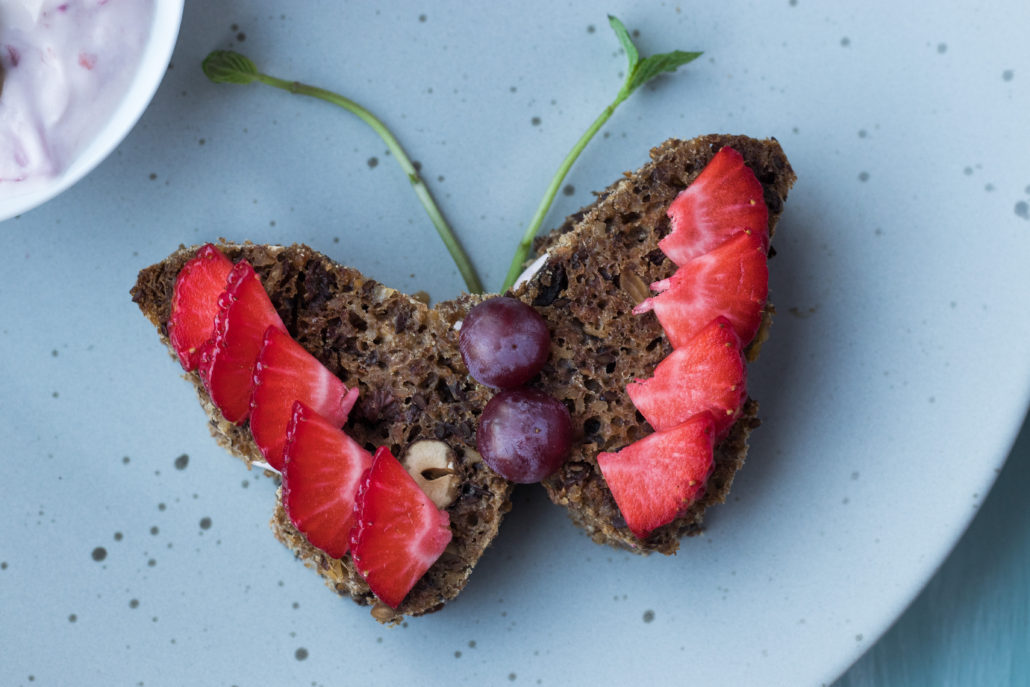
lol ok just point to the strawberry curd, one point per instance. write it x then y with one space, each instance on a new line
64 67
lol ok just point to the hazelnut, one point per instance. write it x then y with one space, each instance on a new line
432 464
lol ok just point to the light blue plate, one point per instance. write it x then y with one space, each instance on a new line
896 378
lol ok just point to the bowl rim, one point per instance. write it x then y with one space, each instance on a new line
157 54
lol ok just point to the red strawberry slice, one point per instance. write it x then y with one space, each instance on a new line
657 478
286 373
399 532
708 373
227 362
195 303
731 280
322 468
724 199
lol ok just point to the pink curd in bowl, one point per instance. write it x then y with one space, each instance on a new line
77 76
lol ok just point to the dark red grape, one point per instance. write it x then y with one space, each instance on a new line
504 342
524 434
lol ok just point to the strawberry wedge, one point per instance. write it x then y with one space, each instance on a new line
657 478
286 373
731 280
708 373
195 303
322 468
399 531
227 361
724 199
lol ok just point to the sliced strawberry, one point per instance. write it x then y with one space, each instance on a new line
322 468
399 532
731 280
657 478
708 373
227 364
285 373
195 303
724 199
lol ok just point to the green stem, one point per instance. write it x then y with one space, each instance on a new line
526 244
468 272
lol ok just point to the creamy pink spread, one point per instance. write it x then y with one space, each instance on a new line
66 64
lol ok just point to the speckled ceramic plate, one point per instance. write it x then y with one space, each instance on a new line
134 551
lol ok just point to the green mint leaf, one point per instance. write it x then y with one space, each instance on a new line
226 66
657 64
627 43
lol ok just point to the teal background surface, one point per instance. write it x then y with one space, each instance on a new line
971 624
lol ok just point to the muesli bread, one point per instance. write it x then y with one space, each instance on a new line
403 358
599 264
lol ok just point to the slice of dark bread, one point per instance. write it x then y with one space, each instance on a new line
403 358
599 264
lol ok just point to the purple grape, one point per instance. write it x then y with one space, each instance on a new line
524 434
504 342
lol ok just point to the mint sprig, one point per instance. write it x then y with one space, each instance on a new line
639 72
226 66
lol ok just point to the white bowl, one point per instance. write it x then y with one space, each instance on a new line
153 64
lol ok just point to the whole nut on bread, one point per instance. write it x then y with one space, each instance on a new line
432 464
